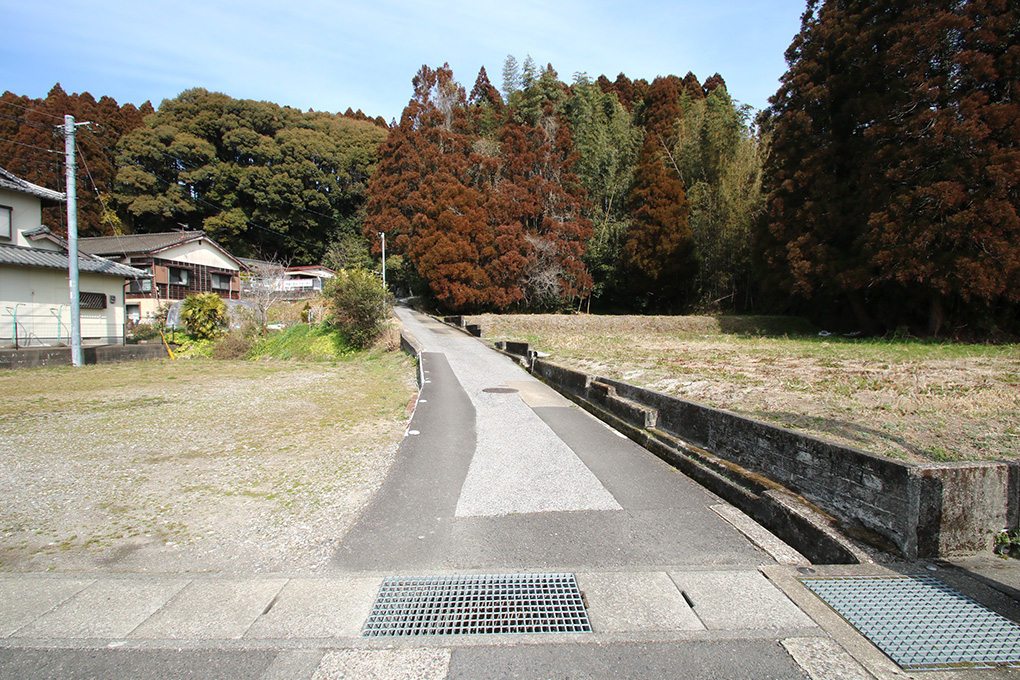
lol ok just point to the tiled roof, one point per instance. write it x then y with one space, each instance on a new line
135 243
14 183
49 259
252 264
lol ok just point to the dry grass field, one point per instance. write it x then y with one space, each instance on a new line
194 465
909 399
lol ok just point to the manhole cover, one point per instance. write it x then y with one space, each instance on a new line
499 390
478 605
921 623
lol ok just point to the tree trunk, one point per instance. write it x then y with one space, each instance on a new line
936 314
864 319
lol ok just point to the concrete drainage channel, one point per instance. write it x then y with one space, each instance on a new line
478 605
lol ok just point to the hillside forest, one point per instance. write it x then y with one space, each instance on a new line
878 192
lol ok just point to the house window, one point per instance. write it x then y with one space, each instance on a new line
92 300
6 230
140 286
178 276
221 281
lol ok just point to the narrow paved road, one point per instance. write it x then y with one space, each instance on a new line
499 473
490 478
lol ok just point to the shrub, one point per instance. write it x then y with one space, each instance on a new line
144 331
233 345
204 315
358 302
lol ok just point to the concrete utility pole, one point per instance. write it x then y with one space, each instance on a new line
383 234
72 243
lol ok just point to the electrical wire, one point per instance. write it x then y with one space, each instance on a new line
106 212
209 204
30 146
192 166
31 110
29 123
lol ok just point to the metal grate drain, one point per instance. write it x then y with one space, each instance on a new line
478 605
921 623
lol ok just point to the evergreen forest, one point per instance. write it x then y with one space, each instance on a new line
879 191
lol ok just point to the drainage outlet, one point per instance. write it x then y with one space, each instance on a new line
920 622
478 605
499 390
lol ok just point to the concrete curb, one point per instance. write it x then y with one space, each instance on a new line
35 357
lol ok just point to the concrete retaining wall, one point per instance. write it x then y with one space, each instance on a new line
61 356
918 511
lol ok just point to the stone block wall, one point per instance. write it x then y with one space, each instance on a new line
919 511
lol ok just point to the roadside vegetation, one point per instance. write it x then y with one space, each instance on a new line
916 400
350 316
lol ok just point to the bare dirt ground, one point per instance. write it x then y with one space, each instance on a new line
913 400
194 465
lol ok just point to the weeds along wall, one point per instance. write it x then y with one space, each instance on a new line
917 510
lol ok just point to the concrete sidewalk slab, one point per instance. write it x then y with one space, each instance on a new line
211 609
823 659
294 664
318 608
108 608
538 395
738 600
24 600
385 664
632 602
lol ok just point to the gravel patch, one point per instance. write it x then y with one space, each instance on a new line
193 466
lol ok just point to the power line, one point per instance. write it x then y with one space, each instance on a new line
31 110
192 166
27 123
208 203
30 146
106 212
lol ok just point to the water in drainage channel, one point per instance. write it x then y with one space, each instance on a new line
920 622
477 605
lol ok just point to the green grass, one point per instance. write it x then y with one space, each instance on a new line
302 342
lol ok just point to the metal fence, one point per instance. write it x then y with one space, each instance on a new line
24 326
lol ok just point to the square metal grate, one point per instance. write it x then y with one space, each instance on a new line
920 622
478 605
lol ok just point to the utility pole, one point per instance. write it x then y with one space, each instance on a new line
383 234
72 243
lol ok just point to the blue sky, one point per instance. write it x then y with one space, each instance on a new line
333 55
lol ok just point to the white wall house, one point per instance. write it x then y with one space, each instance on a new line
177 264
34 287
304 281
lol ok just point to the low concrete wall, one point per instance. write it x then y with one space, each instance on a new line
36 357
919 511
